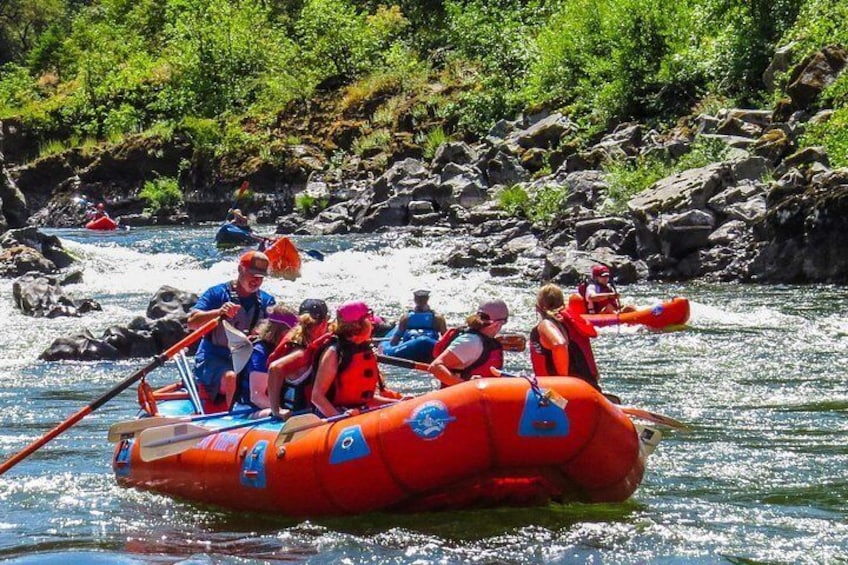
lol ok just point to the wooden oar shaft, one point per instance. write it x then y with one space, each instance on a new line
108 395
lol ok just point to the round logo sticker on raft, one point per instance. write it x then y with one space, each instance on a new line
657 310
430 420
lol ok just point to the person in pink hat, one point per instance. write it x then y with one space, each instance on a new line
347 377
600 295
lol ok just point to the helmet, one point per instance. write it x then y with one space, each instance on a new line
599 271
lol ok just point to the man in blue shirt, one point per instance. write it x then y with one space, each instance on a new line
242 303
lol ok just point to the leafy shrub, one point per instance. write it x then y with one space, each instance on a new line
161 194
514 201
628 178
309 205
431 141
373 142
832 135
16 88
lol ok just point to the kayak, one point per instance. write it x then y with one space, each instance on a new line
483 443
417 347
233 235
669 313
103 223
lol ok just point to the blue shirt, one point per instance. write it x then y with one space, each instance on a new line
215 342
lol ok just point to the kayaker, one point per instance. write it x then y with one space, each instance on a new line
291 367
244 304
96 212
237 218
600 296
253 378
465 353
419 320
559 344
347 377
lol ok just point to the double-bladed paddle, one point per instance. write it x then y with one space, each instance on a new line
158 361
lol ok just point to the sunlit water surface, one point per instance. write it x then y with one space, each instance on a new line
760 373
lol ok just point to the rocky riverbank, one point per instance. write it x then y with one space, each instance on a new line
766 212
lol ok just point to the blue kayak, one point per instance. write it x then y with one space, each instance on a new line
231 234
415 348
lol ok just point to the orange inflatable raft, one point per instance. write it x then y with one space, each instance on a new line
488 442
669 313
103 223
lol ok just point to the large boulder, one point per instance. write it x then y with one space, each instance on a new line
41 296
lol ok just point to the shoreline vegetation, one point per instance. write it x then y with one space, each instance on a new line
163 108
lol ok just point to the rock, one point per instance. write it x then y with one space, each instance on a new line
170 303
813 74
22 259
79 347
41 296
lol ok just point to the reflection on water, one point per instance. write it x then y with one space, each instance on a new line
759 373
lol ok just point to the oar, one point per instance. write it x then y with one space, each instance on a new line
510 342
127 430
158 361
164 441
640 413
304 422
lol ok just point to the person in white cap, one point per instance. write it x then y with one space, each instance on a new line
419 320
472 351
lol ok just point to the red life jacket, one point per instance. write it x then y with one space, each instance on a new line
492 355
581 360
303 380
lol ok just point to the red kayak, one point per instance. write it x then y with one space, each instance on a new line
674 312
104 223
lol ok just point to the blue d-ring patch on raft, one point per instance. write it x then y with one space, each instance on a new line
542 421
123 460
349 445
253 468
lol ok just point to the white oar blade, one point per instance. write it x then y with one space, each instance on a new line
164 441
297 424
127 430
240 347
660 419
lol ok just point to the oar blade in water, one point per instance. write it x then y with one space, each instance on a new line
660 419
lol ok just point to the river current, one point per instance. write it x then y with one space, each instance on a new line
759 373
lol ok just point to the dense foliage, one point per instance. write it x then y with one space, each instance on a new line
102 69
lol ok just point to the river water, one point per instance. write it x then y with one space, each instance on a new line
760 374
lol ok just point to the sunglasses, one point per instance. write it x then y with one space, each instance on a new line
486 318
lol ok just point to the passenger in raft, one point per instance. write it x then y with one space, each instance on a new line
253 379
559 344
347 377
600 296
472 351
244 304
420 320
291 368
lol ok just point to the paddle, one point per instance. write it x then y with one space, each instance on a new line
629 410
510 342
164 441
303 422
127 430
158 361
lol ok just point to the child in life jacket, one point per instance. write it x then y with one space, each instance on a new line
252 385
347 377
559 344
472 351
291 366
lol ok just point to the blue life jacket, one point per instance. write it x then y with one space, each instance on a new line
420 323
